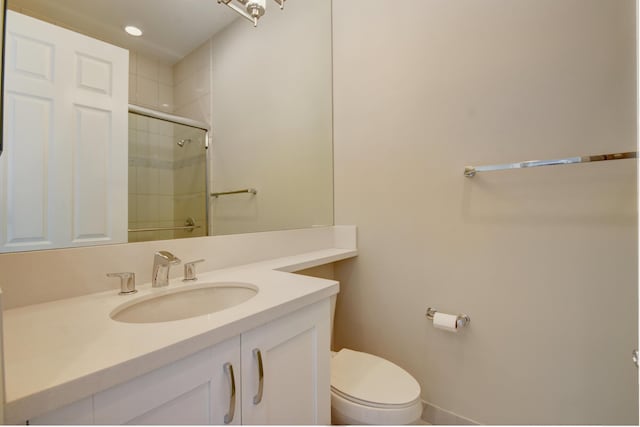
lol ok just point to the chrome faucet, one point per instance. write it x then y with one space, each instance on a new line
162 262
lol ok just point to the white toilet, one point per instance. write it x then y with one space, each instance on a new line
367 389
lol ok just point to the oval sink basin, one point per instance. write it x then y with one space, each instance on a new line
184 303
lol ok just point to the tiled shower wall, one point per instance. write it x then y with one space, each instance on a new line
192 84
189 181
150 83
151 177
150 149
166 181
192 99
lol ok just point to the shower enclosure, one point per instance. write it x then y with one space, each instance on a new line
167 177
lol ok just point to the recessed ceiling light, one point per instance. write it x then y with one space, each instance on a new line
134 31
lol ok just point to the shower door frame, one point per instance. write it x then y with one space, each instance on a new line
147 112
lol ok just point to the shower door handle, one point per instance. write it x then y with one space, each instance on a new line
634 357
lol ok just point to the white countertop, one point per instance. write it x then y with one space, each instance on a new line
62 351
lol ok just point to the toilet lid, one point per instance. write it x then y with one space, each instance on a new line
370 378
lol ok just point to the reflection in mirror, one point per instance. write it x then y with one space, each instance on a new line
167 180
78 171
3 11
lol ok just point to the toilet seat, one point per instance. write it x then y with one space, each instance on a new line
372 380
367 389
370 404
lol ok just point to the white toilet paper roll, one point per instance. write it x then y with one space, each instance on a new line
447 322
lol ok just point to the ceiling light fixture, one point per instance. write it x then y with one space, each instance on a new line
250 9
133 31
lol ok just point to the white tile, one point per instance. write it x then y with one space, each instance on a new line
147 181
165 209
198 59
165 97
147 207
197 110
133 63
133 88
154 127
166 128
142 144
142 123
192 206
147 92
165 74
147 67
192 88
182 94
189 180
164 147
133 183
165 182
155 181
132 143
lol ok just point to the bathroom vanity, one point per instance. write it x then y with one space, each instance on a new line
262 361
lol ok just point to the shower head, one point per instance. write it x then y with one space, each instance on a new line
182 142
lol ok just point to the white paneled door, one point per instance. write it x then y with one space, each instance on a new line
63 173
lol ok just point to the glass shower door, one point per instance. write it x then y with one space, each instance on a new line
167 180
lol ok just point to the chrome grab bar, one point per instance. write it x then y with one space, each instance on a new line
189 225
258 397
470 171
226 193
228 418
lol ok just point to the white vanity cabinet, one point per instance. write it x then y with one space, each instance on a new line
294 381
194 390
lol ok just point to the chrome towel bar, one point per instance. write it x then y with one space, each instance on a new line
189 225
186 227
226 193
470 171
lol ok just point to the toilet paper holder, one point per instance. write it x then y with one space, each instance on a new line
461 321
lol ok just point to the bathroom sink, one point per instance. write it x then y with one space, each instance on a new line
184 303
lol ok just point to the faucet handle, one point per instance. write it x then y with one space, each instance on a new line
127 282
190 270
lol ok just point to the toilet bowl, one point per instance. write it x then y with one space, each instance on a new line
367 389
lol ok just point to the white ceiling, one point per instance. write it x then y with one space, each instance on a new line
172 28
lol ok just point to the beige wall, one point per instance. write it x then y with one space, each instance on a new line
543 260
271 117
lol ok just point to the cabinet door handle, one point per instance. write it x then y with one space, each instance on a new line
258 397
232 400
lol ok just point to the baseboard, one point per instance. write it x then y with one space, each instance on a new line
432 414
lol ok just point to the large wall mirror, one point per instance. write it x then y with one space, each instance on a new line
203 125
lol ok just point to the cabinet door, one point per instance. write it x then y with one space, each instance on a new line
294 387
76 413
194 391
